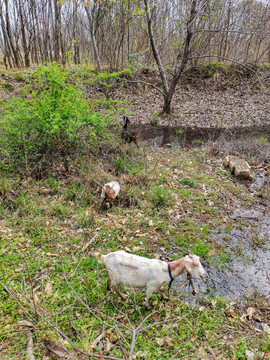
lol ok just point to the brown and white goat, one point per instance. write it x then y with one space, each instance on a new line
109 192
137 272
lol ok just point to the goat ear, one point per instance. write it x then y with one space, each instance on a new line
194 259
188 263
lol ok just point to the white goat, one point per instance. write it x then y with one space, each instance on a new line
109 192
135 271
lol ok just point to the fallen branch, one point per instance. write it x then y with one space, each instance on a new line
89 242
29 345
145 83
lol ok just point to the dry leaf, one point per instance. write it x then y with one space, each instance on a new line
201 308
136 248
113 338
108 346
250 312
44 191
56 350
48 287
169 341
233 314
160 341
25 323
23 248
214 303
141 353
151 223
35 297
266 328
250 355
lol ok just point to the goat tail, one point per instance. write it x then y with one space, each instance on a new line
99 257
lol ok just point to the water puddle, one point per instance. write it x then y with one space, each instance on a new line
248 268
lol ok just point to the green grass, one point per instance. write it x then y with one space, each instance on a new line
45 225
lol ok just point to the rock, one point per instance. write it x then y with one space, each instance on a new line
238 166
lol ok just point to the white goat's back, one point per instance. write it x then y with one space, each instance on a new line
115 186
134 271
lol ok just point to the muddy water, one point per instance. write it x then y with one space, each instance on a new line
185 136
248 266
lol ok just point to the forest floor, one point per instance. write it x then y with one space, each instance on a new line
201 107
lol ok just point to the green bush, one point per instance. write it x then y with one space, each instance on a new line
52 122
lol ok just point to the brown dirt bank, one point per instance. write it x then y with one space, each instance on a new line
200 107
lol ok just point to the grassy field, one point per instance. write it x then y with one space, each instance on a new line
53 291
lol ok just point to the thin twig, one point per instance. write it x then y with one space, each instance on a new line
145 83
133 342
89 242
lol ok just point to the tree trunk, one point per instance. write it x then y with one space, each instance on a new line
92 34
154 48
24 42
57 30
169 94
10 38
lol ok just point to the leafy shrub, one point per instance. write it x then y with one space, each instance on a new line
53 121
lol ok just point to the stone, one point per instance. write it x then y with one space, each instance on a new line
238 167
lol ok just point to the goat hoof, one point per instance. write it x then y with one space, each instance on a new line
147 305
124 297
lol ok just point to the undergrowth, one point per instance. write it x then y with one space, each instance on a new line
53 287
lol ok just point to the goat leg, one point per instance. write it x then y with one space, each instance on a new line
163 295
109 285
146 303
122 296
189 278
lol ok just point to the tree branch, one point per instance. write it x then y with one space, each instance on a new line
154 47
145 83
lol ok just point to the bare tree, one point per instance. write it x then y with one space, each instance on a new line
91 18
168 90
